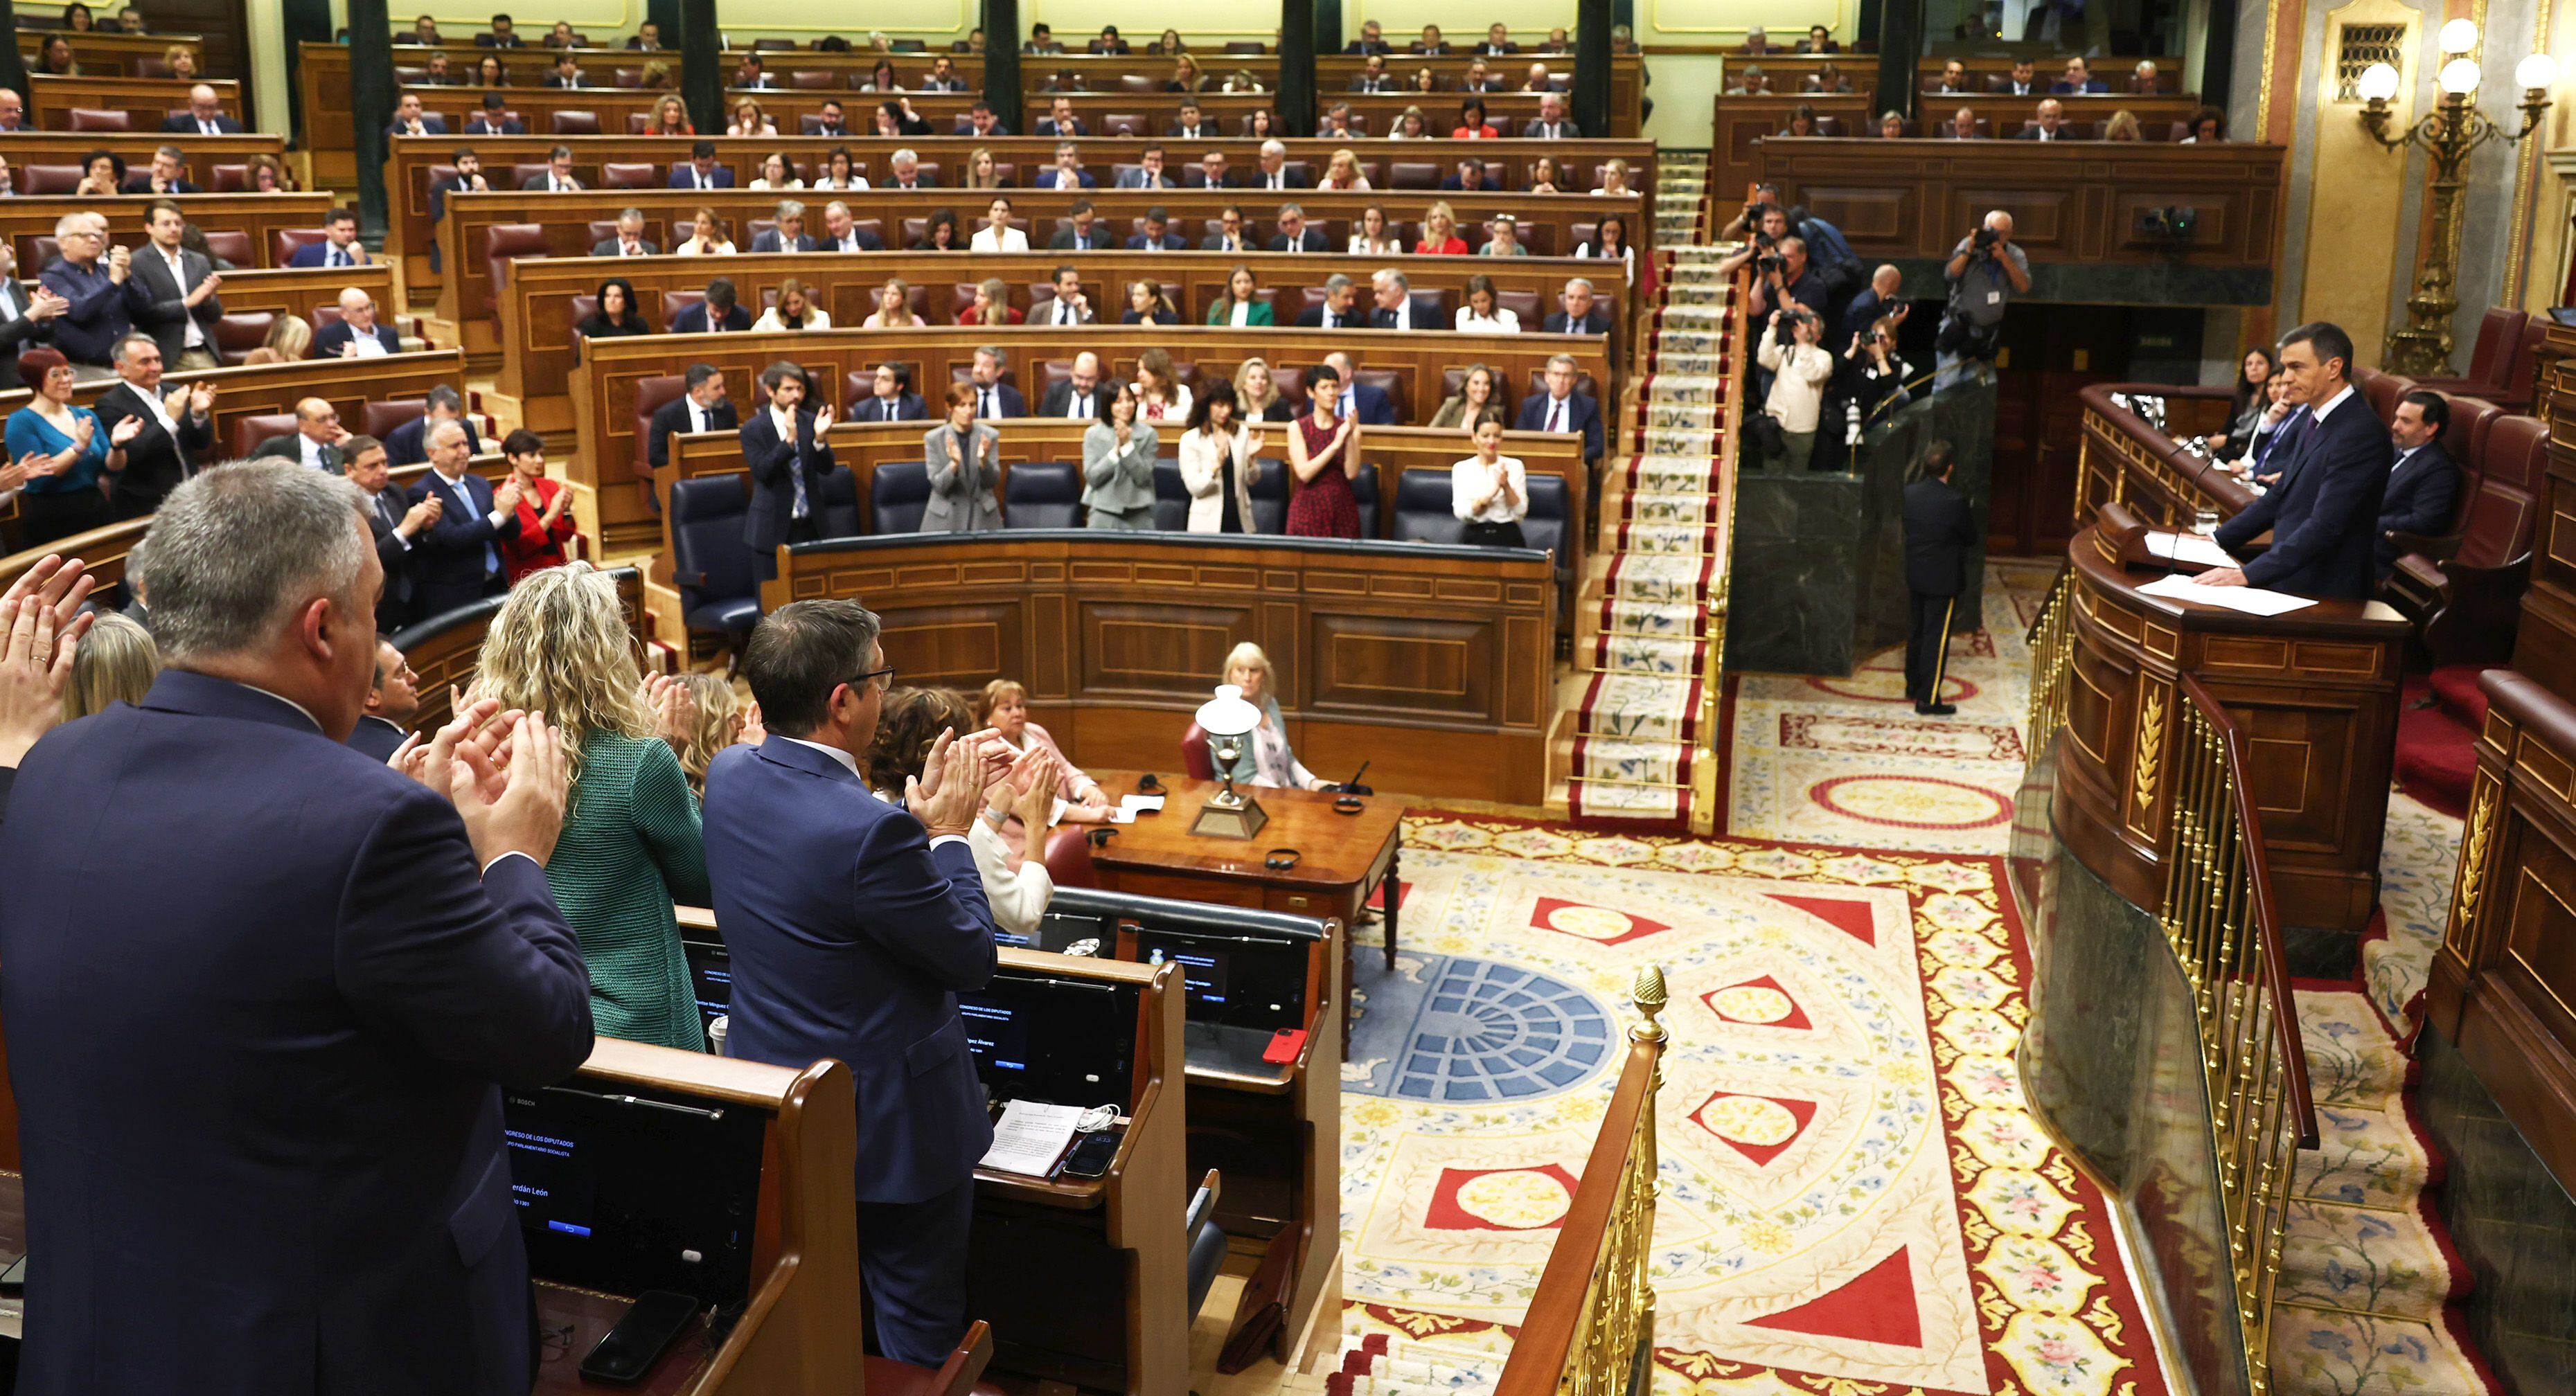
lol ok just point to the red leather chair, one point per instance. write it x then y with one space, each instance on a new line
1068 857
673 302
2464 590
1392 383
650 396
239 332
249 431
1194 754
283 242
1412 174
576 123
503 241
626 77
229 179
100 119
233 245
380 418
810 80
48 179
2382 390
2491 362
623 174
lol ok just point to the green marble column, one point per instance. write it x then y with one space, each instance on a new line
1296 96
371 107
1002 62
1592 67
702 74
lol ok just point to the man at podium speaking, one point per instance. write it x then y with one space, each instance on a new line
2324 510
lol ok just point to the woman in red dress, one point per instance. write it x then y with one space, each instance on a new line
1323 455
545 509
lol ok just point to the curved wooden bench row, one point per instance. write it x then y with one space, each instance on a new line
559 224
604 387
1743 120
535 319
211 160
604 163
103 54
248 224
1431 662
144 102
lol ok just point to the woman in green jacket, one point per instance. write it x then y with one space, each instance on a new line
631 844
1237 306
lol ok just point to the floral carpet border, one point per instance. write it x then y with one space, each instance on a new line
2039 1236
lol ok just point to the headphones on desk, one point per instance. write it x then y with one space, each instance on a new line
1280 859
1148 783
1348 804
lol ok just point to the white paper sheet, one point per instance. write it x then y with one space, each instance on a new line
1141 804
2251 600
2188 547
1030 1137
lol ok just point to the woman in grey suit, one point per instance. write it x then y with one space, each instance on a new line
965 461
1118 468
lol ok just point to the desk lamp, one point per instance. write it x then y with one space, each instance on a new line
1228 722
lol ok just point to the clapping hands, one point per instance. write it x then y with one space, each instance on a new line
675 712
40 631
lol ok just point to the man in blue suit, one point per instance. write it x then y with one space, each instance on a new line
790 234
702 171
721 312
2423 483
460 560
339 246
408 444
1561 408
258 1045
1364 403
2322 513
356 334
410 120
495 119
853 923
784 447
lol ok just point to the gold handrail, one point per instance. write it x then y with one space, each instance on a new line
1590 1330
2052 649
2219 920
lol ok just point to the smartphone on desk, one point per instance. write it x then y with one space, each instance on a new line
1091 1154
630 1349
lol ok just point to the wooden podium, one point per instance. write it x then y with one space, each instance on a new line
2317 692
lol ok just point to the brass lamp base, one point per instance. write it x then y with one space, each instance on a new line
1230 815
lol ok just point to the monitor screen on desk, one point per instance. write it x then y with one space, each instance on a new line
1061 1041
1236 980
625 1192
710 978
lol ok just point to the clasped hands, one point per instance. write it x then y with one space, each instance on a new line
40 630
505 772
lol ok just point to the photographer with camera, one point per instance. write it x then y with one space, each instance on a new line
1986 271
1799 370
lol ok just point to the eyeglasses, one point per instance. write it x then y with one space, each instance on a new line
860 681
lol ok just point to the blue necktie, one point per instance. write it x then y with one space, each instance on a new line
491 554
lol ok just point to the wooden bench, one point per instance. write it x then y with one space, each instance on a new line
144 102
533 325
249 223
1742 121
216 164
1548 223
102 54
603 161
604 387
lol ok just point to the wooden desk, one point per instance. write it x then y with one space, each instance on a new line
101 54
2316 690
69 148
2124 457
146 102
1344 857
27 218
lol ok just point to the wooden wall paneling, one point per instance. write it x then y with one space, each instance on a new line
22 148
24 219
145 101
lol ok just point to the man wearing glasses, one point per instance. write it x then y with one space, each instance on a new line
89 275
854 923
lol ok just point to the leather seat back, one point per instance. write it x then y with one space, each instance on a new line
840 503
1042 494
1423 509
239 332
1270 497
1171 498
1364 485
898 495
2499 334
708 558
650 396
249 431
503 241
2502 515
380 418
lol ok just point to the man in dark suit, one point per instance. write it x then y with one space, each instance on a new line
358 335
832 120
983 124
500 35
1374 76
1211 173
204 116
339 246
393 700
27 314
647 38
790 234
1272 172
905 172
702 171
2024 81
1081 232
176 432
1067 171
1295 236
1157 234
2046 124
396 522
566 73
1339 309
1470 178
469 179
1372 41
1191 126
410 120
556 177
717 314
1060 122
1939 531
629 239
408 444
1079 396
170 293
853 923
1231 235
892 400
260 1035
1498 42
1561 408
994 399
167 175
1552 123
784 447
460 561
1149 172
1069 306
1364 403
1395 306
316 441
1581 314
842 233
2321 515
494 119
704 407
2423 483
2079 79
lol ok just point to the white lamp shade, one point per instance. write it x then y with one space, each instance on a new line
2378 83
1227 714
2459 36
2537 73
2460 76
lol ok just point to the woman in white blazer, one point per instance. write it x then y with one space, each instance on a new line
997 234
1218 448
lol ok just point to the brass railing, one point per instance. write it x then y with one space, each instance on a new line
1590 1330
2052 649
2219 920
1709 739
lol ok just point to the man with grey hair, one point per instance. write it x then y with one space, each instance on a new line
176 432
408 444
842 233
1986 270
91 276
1274 172
1295 236
1338 310
262 1032
1580 315
460 560
630 240
1396 308
906 171
1552 123
790 234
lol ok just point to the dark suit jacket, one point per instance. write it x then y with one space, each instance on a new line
771 242
510 126
1939 530
158 306
1256 178
694 320
850 938
906 408
328 339
544 181
1596 321
1047 127
154 464
18 333
2321 513
867 241
1313 240
488 39
684 176
376 738
314 254
451 555
1582 415
607 247
2031 133
1215 242
1426 316
404 444
1046 179
438 192
2420 497
773 487
1172 242
1058 401
1368 403
142 184
2064 88
1013 405
673 416
257 1047
1063 241
431 124
186 125
556 80
401 558
1454 185
1316 317
1202 132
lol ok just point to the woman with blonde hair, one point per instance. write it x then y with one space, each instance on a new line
749 120
894 308
716 721
1267 759
287 341
671 118
1186 76
983 171
795 310
631 844
992 304
1614 178
1342 173
1256 393
1410 125
1440 232
181 61
706 237
2123 126
116 663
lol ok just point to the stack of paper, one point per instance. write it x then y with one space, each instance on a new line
2188 547
1031 1137
2251 600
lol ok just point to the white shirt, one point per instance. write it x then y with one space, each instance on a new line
160 411
312 452
1504 320
690 249
1471 480
1011 240
1241 314
2332 403
697 414
196 333
851 764
365 344
785 422
1560 414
